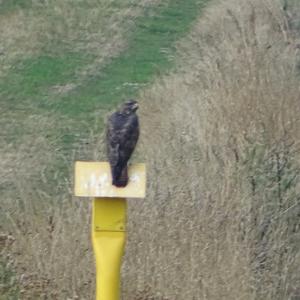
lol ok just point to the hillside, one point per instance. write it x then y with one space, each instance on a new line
63 66
222 215
219 94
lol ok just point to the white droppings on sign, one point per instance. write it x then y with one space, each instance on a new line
135 177
83 183
93 180
97 190
103 180
97 182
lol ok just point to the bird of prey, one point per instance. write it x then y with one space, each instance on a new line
121 137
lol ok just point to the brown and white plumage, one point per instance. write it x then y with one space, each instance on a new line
121 137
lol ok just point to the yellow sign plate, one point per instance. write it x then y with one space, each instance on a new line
93 179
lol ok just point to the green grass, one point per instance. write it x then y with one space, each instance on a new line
8 286
29 88
11 5
32 78
150 47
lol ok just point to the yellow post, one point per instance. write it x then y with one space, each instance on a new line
108 236
93 179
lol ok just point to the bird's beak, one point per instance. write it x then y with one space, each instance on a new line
135 106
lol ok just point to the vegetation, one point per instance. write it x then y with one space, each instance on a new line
220 138
222 216
71 69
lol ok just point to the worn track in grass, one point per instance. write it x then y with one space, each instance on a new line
29 86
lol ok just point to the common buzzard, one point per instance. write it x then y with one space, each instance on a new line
121 137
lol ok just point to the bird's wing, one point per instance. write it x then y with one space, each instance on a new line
112 141
122 135
129 137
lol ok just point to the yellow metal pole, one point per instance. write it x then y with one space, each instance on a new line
108 237
93 179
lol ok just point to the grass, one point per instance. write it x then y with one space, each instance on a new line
221 220
8 6
54 94
220 137
9 287
35 77
149 53
53 83
56 84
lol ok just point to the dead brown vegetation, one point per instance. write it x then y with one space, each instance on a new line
220 138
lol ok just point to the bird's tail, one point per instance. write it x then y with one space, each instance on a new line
119 176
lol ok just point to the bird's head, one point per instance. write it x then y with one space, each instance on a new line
129 107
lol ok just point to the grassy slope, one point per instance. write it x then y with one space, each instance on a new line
28 92
29 89
8 6
150 50
204 230
221 218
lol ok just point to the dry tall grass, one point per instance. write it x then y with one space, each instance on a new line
220 138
